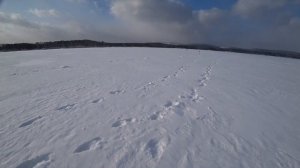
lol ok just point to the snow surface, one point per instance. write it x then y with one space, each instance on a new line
146 107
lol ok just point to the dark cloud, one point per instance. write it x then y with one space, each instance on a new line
257 7
16 19
271 24
251 24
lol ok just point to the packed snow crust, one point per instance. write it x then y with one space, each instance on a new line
146 107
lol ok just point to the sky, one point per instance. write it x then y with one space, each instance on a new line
269 24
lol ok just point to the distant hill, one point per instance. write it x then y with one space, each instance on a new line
90 43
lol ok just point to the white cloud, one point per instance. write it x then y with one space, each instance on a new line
44 13
155 20
151 10
14 29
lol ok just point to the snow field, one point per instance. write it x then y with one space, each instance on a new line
147 107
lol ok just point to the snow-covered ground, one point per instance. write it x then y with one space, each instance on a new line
146 107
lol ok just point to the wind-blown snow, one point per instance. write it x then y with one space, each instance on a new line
146 107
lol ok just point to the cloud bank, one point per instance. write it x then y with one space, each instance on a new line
271 24
249 23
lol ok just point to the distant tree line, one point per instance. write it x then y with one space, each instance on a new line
90 43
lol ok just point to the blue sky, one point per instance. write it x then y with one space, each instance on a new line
271 24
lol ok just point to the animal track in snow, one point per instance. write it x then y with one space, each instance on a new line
181 69
148 86
176 106
98 100
168 104
157 116
179 108
90 145
165 78
115 92
195 97
194 94
156 147
205 76
158 82
39 161
66 107
29 122
65 67
122 123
